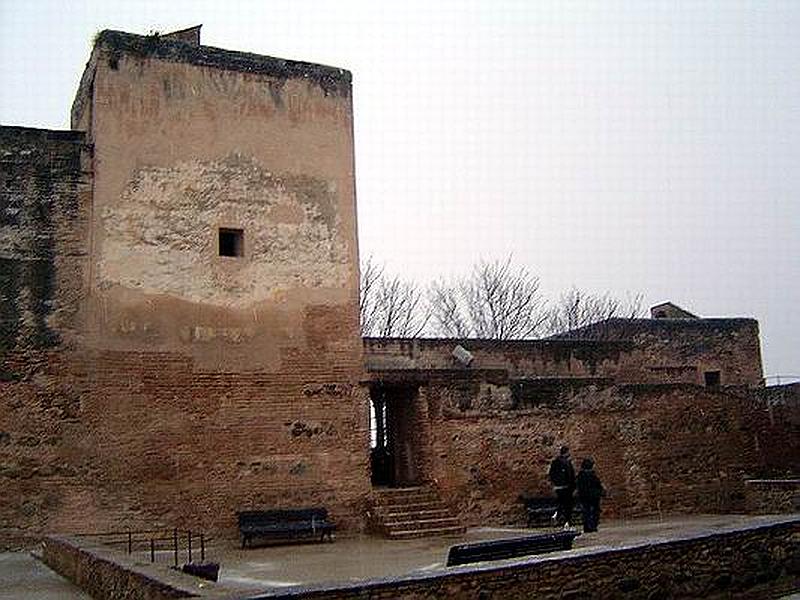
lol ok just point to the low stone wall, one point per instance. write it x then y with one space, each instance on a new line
758 561
772 496
103 573
15 540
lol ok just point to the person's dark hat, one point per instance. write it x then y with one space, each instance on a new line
587 464
564 450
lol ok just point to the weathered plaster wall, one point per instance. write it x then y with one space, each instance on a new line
183 149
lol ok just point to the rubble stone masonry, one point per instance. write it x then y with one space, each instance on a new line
659 449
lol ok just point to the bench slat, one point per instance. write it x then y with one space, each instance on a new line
284 523
510 548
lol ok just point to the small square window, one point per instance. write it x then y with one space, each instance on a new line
231 242
712 378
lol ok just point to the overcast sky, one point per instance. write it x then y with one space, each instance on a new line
624 146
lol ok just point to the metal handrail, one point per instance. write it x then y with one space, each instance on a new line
175 535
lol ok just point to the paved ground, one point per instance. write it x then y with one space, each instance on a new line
352 559
23 576
368 557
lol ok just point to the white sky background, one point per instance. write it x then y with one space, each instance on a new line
624 146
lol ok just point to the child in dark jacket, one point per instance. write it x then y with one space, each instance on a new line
590 490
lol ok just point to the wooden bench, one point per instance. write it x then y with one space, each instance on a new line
542 543
540 510
284 524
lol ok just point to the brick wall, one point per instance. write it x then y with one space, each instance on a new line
663 441
100 440
684 349
659 448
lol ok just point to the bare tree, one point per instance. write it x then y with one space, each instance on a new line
584 315
371 276
496 301
447 313
390 306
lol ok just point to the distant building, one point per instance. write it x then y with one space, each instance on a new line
668 310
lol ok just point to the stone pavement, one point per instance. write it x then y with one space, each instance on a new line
353 559
23 576
359 558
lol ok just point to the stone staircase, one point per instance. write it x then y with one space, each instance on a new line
413 512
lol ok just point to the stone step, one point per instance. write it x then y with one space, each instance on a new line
396 498
407 501
400 490
411 507
418 533
408 515
404 513
418 524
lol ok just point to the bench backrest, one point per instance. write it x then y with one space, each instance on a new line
539 501
286 515
510 548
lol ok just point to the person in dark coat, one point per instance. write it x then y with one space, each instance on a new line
562 476
590 490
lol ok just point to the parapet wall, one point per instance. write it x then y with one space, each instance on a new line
629 351
521 358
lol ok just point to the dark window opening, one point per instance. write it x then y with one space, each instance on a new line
712 378
231 242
